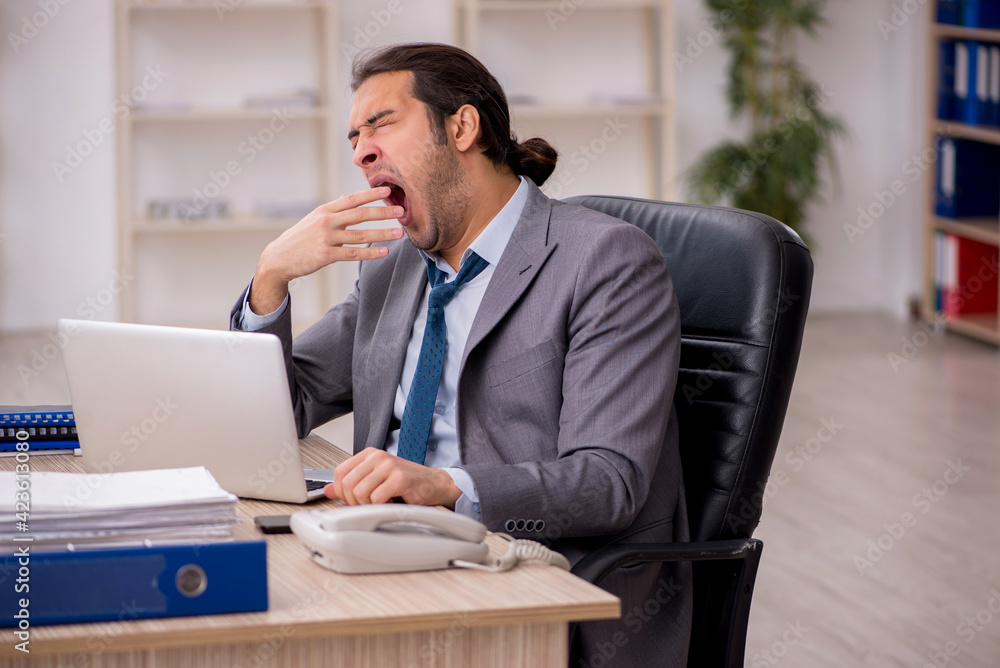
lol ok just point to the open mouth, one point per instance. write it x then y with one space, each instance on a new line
397 197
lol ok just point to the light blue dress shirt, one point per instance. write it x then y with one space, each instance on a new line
442 444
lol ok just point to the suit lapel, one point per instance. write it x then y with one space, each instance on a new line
392 334
522 259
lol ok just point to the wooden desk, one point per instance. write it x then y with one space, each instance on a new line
320 618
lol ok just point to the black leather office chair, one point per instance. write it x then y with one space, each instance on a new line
742 281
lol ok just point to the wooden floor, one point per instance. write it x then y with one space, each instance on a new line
879 547
882 542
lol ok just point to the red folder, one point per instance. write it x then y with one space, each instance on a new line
972 287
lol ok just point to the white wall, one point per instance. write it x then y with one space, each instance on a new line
877 87
59 243
57 239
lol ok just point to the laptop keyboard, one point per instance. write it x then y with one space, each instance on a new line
312 485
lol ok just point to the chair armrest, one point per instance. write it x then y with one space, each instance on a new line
724 574
597 565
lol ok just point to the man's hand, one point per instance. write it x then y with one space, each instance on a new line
318 240
375 476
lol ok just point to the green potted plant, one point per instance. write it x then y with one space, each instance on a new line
777 169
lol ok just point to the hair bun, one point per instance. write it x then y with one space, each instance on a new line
536 159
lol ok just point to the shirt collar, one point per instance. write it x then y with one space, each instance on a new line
492 241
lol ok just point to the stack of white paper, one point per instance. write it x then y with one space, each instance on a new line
82 510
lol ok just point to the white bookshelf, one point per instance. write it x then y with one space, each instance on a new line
218 56
649 37
982 326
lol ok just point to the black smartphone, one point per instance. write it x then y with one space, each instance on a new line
273 523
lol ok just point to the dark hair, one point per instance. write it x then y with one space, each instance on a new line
445 78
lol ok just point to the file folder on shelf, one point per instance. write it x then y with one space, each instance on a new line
994 86
961 93
948 11
134 583
968 178
969 277
972 108
946 82
980 13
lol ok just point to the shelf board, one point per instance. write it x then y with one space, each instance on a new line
214 5
982 326
224 114
963 131
949 31
212 225
554 5
986 230
586 110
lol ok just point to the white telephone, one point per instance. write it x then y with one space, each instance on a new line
393 538
389 538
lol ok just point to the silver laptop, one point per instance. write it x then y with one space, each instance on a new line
150 397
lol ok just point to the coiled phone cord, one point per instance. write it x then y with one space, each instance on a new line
518 550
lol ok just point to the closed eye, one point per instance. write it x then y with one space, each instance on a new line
374 121
371 130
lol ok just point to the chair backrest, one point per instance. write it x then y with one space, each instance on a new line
743 282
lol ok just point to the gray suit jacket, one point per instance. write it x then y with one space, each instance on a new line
565 415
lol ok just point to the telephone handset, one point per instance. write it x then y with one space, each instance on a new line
389 538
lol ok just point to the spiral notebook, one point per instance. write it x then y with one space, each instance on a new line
46 429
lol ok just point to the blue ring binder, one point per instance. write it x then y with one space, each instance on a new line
135 583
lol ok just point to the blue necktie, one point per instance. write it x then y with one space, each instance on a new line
415 426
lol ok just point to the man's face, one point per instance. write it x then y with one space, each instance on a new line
395 145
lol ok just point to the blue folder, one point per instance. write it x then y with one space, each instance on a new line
946 82
948 11
134 583
967 182
975 106
980 13
993 104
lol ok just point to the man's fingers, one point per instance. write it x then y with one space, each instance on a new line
354 200
386 491
364 214
375 480
371 476
356 254
349 210
354 470
341 237
340 252
341 472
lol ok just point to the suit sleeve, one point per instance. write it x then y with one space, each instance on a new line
618 375
319 366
